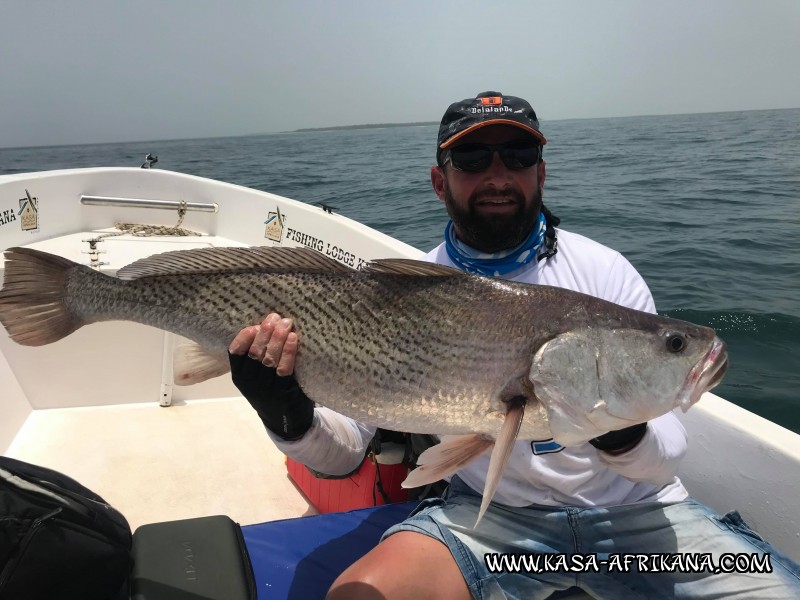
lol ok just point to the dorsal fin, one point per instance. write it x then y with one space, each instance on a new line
231 260
406 266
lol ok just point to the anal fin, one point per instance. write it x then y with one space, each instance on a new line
194 364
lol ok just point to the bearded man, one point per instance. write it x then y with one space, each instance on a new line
617 495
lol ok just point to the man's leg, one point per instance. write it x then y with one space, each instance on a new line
682 550
437 552
406 565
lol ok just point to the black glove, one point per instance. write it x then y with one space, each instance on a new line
621 440
283 407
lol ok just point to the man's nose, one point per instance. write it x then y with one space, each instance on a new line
497 168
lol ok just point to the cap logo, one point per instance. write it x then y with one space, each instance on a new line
492 101
490 109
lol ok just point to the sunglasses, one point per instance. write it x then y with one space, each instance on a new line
474 158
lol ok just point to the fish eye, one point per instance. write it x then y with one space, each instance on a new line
676 342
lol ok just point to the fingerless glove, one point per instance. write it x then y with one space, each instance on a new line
621 439
279 401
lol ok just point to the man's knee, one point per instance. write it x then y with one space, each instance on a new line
360 581
405 565
354 590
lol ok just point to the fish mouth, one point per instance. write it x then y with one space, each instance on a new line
705 375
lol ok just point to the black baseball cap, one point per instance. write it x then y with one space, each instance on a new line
487 108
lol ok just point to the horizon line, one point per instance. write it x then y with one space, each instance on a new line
377 126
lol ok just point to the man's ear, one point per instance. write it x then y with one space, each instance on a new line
438 182
542 173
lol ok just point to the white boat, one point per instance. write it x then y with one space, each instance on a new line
100 406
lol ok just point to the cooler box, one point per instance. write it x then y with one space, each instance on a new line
359 490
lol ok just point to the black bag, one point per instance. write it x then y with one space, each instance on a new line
58 540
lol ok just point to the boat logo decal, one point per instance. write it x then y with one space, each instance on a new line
275 222
29 212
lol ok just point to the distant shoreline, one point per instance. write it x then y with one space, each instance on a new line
545 122
366 126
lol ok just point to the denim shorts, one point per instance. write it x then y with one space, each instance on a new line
641 551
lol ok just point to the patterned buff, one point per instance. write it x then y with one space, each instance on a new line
497 263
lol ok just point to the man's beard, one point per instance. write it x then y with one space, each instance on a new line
493 233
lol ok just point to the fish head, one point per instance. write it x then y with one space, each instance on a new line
596 379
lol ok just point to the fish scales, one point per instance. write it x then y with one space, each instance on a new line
423 378
385 347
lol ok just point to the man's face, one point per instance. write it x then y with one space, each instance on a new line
494 209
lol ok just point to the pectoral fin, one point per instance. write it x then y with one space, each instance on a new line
194 364
447 457
454 453
501 453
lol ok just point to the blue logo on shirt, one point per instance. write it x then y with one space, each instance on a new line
546 447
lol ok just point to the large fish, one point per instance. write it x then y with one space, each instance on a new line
401 344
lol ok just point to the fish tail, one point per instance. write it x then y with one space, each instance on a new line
33 305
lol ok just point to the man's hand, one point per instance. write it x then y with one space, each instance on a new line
272 343
262 361
620 441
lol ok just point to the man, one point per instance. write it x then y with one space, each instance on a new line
616 494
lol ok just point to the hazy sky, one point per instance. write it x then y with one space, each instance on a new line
112 70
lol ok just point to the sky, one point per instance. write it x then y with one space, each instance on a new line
111 70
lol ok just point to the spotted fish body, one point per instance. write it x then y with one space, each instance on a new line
401 344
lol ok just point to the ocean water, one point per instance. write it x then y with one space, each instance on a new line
705 206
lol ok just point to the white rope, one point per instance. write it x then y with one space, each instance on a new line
142 230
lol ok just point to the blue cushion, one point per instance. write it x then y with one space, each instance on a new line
300 558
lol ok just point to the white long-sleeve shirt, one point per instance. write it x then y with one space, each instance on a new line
541 472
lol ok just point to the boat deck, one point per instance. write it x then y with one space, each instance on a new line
152 463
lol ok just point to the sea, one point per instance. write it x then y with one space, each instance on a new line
705 206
